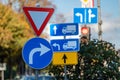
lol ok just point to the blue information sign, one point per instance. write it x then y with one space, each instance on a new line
85 15
37 53
65 45
64 29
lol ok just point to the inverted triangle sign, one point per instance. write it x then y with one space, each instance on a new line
38 17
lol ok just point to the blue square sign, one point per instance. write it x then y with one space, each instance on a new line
65 29
85 15
65 45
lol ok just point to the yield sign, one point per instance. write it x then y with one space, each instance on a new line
38 17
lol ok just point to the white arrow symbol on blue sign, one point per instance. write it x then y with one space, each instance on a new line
80 15
90 15
56 45
55 29
42 51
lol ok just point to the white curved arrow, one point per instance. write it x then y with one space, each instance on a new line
43 49
56 45
80 15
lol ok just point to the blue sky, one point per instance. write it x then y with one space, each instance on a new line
110 7
110 15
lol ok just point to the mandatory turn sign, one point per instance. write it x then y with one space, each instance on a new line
37 53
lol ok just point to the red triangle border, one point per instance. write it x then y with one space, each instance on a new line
50 10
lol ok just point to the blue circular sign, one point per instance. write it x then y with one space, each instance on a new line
37 53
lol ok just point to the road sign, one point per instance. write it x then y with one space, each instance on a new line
85 15
38 17
68 58
37 53
63 45
64 29
87 3
2 66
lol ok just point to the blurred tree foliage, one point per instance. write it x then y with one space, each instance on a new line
98 60
14 31
29 3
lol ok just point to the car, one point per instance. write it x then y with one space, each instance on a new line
39 78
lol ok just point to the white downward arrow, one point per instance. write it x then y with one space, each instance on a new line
43 49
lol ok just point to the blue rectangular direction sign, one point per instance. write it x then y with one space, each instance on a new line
65 45
85 15
64 29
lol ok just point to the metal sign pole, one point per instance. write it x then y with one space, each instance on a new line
65 67
99 21
36 74
2 75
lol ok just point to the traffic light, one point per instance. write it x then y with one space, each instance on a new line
85 31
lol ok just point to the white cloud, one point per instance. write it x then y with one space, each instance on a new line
111 31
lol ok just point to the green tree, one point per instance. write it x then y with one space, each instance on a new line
98 60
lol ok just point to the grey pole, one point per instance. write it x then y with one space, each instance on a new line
99 21
36 74
36 71
65 68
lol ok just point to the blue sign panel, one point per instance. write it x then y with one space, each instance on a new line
85 15
64 29
37 53
64 45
